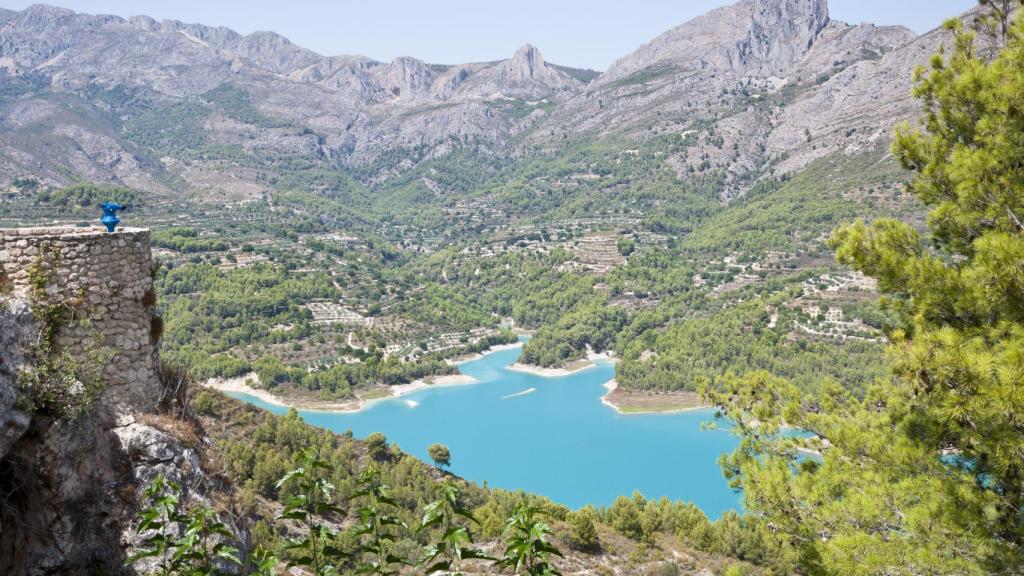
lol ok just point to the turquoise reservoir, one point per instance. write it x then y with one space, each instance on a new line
558 440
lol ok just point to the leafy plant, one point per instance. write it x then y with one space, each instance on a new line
527 550
313 550
454 545
262 562
377 526
195 552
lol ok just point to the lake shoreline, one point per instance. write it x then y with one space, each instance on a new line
242 385
239 386
569 369
478 355
639 403
624 402
549 372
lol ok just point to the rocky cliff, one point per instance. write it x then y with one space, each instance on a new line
750 38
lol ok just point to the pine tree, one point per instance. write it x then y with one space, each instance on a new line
925 473
584 531
440 454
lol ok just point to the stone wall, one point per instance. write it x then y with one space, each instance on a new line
104 283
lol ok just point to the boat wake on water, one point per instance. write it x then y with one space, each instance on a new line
518 394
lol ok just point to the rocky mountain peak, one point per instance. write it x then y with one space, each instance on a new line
525 75
526 60
44 12
408 77
275 52
749 38
783 30
810 15
217 38
144 23
41 18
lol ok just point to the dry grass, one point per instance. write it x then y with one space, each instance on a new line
185 430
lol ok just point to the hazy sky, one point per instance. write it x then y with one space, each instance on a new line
583 33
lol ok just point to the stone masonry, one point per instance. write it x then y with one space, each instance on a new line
105 282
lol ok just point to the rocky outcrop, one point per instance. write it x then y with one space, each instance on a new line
68 495
841 45
409 78
155 453
526 75
66 489
71 490
855 104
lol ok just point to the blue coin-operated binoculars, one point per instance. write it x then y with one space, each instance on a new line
110 218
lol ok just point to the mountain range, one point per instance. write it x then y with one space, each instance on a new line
761 88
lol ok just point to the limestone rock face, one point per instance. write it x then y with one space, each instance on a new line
16 328
840 45
527 61
155 453
752 37
67 489
72 490
69 497
781 33
273 52
855 108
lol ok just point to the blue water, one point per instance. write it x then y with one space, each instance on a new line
559 441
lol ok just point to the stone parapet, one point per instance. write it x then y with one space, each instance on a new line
104 284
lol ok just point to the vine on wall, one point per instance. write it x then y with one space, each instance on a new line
56 382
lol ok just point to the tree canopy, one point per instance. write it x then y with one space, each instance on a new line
925 474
